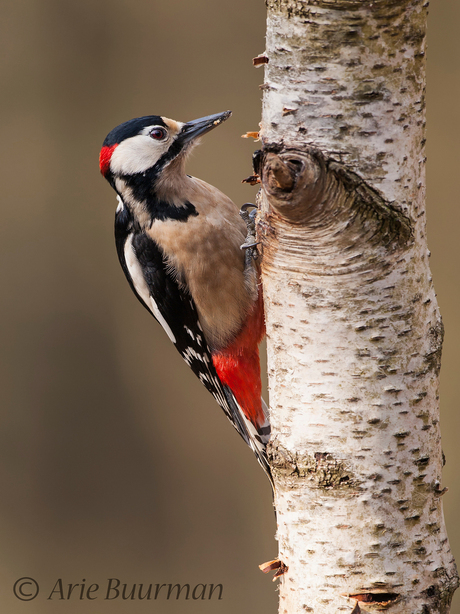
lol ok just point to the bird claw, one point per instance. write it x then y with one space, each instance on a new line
250 220
248 245
277 565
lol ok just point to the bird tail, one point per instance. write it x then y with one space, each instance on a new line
255 437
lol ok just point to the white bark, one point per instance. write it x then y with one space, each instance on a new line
354 331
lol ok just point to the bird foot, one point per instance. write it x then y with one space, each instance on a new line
277 565
249 218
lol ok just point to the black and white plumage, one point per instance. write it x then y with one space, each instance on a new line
178 241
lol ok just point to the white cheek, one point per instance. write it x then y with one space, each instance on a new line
136 155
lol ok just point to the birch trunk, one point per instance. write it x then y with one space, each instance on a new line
354 330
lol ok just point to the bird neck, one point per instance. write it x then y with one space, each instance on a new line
171 184
154 195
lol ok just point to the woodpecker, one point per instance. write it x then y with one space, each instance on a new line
179 244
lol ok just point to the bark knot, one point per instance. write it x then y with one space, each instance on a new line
306 188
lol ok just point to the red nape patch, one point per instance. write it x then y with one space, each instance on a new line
238 366
104 158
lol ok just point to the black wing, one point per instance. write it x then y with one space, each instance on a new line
156 288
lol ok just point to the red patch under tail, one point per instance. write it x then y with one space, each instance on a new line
238 366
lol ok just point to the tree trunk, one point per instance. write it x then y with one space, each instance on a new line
354 330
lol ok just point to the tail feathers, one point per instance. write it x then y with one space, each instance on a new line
265 430
256 438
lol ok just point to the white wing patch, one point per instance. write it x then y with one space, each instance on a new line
142 289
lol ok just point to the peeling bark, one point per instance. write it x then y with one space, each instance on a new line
354 330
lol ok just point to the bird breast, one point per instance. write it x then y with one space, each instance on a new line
204 254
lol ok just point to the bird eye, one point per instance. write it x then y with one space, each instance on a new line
159 134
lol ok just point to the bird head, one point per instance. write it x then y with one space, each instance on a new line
141 144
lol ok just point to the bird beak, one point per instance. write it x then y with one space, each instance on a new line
197 127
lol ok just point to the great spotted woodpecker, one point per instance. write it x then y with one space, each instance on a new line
179 243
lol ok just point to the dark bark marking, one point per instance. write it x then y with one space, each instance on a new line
321 469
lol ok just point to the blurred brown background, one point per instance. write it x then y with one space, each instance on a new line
115 462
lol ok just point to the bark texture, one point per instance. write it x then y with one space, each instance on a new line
354 330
